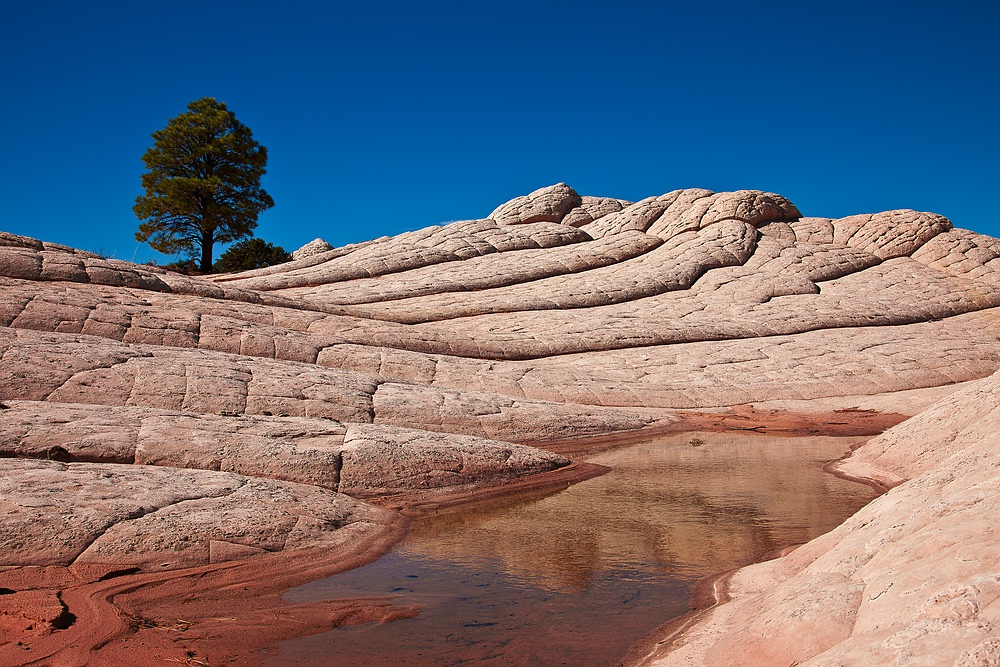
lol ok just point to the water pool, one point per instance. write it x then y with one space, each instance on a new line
580 576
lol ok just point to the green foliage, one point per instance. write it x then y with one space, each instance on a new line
251 254
202 184
186 266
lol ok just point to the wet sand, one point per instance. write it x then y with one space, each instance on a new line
228 613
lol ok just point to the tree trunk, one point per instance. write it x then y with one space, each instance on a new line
206 253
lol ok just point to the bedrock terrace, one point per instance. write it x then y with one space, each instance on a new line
259 430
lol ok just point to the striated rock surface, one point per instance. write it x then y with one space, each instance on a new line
351 458
151 516
314 247
549 204
173 421
379 461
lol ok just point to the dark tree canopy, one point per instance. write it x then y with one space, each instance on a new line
202 184
251 254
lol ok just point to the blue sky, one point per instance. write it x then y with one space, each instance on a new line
381 117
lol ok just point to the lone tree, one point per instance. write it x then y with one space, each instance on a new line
202 184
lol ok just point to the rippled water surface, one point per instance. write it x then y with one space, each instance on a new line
579 576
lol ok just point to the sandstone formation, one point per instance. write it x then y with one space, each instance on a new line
152 516
367 459
171 421
314 247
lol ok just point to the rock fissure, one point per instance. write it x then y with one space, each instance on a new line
139 513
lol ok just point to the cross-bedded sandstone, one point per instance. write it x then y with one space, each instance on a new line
157 420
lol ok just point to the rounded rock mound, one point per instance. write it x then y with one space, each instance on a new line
314 247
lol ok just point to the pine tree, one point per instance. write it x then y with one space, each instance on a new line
202 184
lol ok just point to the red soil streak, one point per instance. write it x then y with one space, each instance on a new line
216 614
836 423
229 613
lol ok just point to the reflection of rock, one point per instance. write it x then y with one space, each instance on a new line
914 573
703 509
559 316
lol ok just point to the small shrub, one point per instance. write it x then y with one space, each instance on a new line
186 266
250 254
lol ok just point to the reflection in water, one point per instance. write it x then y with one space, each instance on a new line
578 577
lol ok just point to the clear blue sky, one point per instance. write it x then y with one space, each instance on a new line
381 117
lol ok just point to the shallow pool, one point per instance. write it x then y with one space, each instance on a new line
580 576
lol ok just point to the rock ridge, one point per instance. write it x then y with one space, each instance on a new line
188 421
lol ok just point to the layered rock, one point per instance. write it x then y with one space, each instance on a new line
407 367
359 459
314 247
160 517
